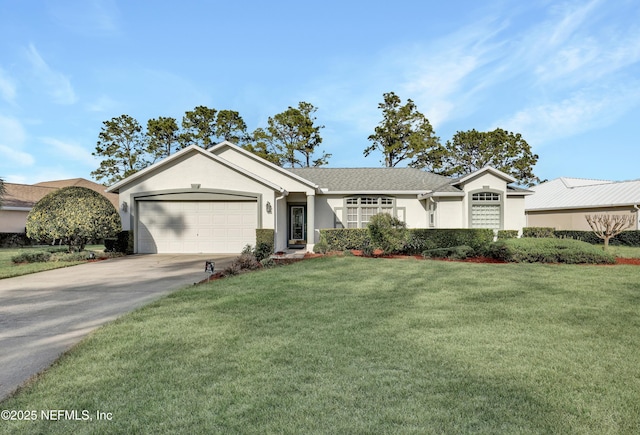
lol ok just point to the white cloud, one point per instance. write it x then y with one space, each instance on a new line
12 138
7 87
102 104
57 84
70 151
88 17
580 112
15 156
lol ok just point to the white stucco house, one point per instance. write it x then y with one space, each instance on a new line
212 201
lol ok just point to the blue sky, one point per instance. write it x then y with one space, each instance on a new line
564 74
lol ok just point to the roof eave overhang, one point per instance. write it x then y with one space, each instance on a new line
426 195
267 163
10 208
369 192
583 207
193 148
479 172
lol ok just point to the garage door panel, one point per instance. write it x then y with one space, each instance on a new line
193 227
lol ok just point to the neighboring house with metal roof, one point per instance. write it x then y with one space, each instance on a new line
562 203
212 201
19 199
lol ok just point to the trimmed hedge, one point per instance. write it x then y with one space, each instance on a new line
14 240
418 239
122 243
340 239
538 232
455 253
265 235
626 238
532 250
421 240
265 244
32 257
507 234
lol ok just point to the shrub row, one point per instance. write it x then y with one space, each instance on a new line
548 250
421 240
122 243
507 234
341 239
417 240
537 232
455 253
14 240
626 238
32 257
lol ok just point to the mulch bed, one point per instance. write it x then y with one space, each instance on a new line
632 261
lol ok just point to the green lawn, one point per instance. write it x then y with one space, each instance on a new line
625 251
354 345
8 269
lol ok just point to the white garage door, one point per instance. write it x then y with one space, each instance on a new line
217 227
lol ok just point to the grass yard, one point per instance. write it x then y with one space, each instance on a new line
8 269
625 251
356 345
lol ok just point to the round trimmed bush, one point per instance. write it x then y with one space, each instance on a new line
74 215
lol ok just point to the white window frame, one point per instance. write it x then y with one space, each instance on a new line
486 197
359 209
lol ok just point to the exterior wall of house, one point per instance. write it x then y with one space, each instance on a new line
449 213
262 170
485 181
13 221
514 217
574 219
193 169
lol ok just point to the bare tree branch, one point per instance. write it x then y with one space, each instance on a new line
606 226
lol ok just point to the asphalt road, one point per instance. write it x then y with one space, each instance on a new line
44 314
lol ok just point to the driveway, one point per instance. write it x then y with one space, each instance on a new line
44 314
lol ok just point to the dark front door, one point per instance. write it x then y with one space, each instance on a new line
297 225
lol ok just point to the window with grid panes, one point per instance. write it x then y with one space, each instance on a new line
486 210
361 209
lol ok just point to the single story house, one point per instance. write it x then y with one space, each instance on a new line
562 203
19 199
212 201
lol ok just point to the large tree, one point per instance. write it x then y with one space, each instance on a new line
74 215
198 127
162 137
291 138
471 150
264 145
123 145
403 134
230 126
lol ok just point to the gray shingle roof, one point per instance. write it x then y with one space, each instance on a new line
374 179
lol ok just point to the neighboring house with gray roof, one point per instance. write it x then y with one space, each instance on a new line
562 203
19 199
212 201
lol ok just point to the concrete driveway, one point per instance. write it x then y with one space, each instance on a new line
44 314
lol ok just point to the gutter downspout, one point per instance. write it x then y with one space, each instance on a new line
275 221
